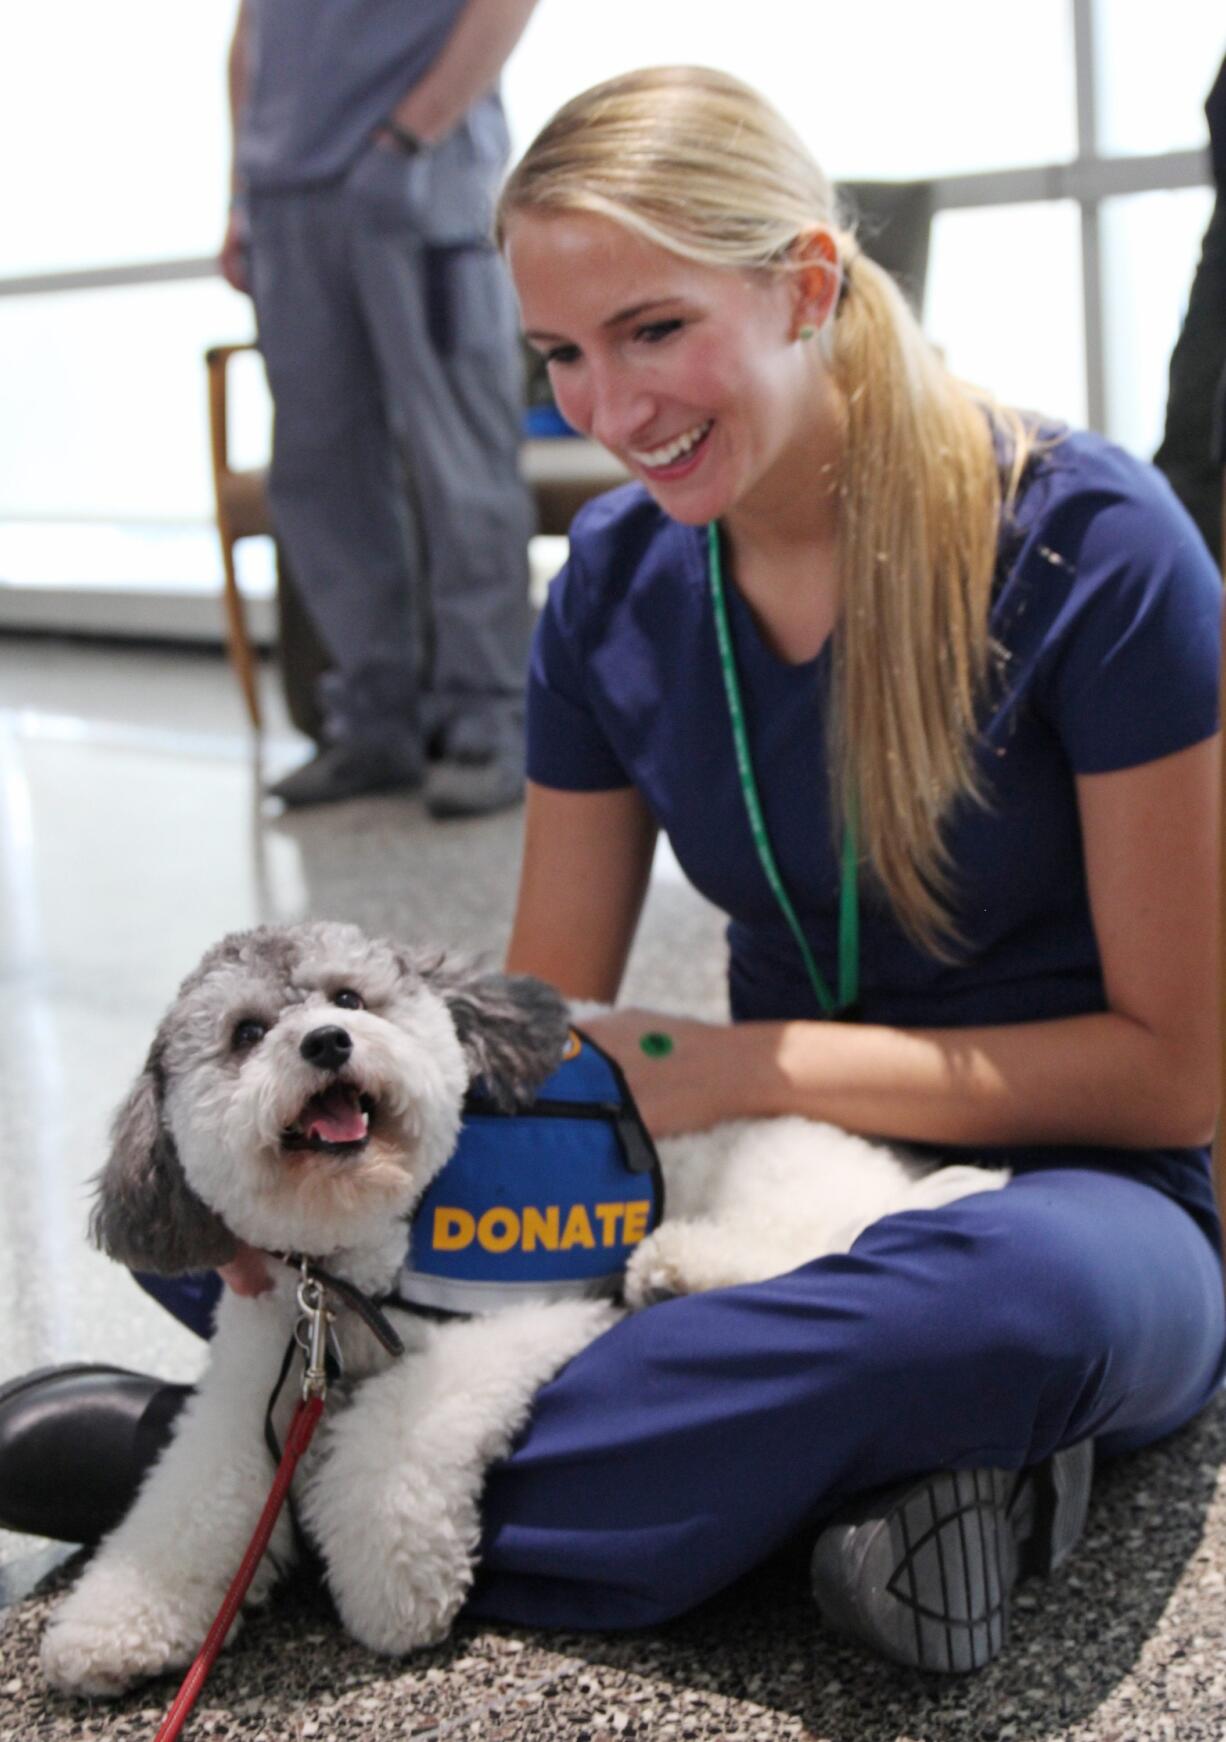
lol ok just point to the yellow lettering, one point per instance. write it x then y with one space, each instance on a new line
541 1229
609 1215
578 1230
452 1229
501 1228
488 1230
636 1222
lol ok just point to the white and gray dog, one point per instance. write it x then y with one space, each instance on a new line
254 1122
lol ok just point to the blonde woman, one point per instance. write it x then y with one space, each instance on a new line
924 695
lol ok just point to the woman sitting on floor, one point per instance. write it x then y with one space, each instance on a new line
924 694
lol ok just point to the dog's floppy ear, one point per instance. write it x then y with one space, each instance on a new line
513 1028
145 1213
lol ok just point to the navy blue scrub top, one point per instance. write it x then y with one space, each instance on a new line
1107 607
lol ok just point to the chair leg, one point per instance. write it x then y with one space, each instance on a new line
238 641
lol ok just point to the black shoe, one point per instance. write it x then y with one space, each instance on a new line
923 1574
74 1445
341 771
478 767
474 789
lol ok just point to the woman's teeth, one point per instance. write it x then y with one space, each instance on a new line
671 451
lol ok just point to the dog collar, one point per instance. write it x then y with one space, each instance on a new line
367 1310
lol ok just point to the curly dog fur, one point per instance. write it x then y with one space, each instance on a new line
300 1094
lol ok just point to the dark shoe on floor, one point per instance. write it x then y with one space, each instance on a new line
340 771
74 1445
923 1574
473 789
480 768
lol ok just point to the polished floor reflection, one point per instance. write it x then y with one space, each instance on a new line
131 837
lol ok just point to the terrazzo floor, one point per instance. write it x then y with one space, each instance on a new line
131 835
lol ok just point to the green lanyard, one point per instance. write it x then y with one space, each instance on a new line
849 897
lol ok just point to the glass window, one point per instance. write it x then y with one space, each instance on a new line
1155 69
884 92
46 563
114 132
1004 303
106 390
106 401
1150 246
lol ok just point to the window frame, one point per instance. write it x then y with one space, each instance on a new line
1089 179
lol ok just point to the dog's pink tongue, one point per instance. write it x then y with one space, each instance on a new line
336 1117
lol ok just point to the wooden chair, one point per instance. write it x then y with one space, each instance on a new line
562 475
894 226
241 499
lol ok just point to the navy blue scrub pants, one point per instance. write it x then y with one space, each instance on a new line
693 1439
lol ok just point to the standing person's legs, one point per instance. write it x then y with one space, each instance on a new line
1197 374
337 495
442 317
697 1437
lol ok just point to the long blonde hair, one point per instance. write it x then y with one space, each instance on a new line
698 163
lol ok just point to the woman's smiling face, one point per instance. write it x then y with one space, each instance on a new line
692 375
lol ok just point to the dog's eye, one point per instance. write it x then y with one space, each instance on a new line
348 999
248 1033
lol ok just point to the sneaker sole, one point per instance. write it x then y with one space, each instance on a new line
927 1583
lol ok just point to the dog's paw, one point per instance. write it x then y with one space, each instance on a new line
396 1603
99 1659
410 1617
682 1258
648 1285
653 1274
115 1630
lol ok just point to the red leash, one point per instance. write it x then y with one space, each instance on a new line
313 1300
306 1415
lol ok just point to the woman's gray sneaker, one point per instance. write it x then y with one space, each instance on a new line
923 1574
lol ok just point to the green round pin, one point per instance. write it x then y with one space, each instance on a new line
656 1044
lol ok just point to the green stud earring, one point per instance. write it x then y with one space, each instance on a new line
656 1044
807 332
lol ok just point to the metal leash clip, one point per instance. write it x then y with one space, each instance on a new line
313 1333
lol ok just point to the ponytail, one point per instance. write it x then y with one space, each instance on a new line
922 499
697 163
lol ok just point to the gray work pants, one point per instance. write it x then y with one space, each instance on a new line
388 329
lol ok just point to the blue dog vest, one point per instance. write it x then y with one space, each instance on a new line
545 1202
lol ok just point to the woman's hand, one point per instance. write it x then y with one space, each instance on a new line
247 1272
688 1086
232 259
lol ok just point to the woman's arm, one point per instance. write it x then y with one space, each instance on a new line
586 861
472 58
1141 1074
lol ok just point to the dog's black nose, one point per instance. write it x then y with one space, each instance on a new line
326 1048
